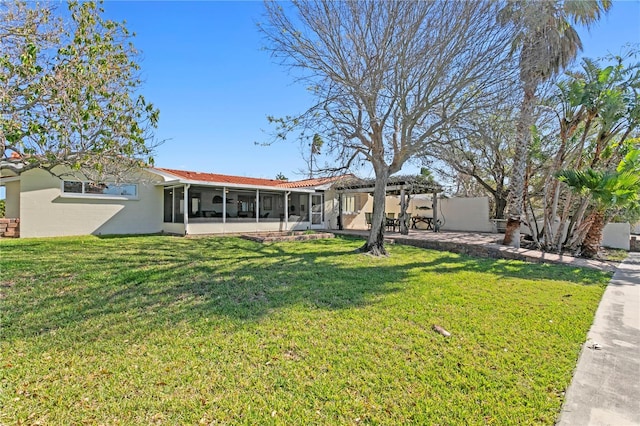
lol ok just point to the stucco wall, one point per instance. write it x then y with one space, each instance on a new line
12 200
331 209
456 214
44 212
616 235
196 226
464 214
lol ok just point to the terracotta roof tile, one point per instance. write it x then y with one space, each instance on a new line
243 180
218 178
310 182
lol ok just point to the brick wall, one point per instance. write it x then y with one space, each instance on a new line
10 228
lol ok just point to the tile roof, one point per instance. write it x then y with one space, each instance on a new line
310 182
242 180
217 178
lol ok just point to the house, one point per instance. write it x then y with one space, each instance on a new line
165 200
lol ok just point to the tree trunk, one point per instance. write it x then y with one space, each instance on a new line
501 204
375 241
519 170
577 229
593 239
403 220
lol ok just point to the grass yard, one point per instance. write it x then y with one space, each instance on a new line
164 330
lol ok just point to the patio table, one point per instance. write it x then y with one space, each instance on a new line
422 219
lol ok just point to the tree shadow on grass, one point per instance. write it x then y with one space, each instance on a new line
516 269
153 282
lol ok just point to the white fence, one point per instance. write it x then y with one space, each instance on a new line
465 214
472 215
459 214
617 235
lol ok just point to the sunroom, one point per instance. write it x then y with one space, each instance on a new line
203 203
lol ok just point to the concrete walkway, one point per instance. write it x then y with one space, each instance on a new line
605 389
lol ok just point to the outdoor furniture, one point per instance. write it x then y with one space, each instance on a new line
422 219
391 221
368 217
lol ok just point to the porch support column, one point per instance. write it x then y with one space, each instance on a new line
257 205
436 227
286 210
224 204
173 205
186 208
309 196
340 227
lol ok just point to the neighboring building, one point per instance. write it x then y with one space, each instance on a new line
165 200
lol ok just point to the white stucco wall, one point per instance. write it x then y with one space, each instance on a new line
44 212
12 199
465 214
331 209
617 235
198 226
456 214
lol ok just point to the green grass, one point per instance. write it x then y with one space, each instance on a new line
613 255
163 330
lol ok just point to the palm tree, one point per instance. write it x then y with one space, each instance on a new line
546 43
619 189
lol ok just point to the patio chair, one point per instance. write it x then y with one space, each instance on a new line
391 221
368 217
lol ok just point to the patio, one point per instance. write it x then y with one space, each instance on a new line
480 244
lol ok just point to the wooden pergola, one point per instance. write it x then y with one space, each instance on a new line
404 186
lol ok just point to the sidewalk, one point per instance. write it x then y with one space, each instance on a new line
605 389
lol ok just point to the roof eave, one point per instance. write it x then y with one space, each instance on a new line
232 185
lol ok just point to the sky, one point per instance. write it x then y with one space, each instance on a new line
206 69
204 66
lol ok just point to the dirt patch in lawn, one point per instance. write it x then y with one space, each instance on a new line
272 237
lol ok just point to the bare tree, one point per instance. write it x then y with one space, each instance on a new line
481 150
389 77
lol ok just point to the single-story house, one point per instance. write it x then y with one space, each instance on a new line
165 200
161 200
181 202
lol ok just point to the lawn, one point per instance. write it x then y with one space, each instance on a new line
166 330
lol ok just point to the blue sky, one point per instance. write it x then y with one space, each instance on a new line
205 68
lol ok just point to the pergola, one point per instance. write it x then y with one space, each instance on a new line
404 186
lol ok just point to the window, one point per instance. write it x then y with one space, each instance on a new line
128 190
72 187
349 203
